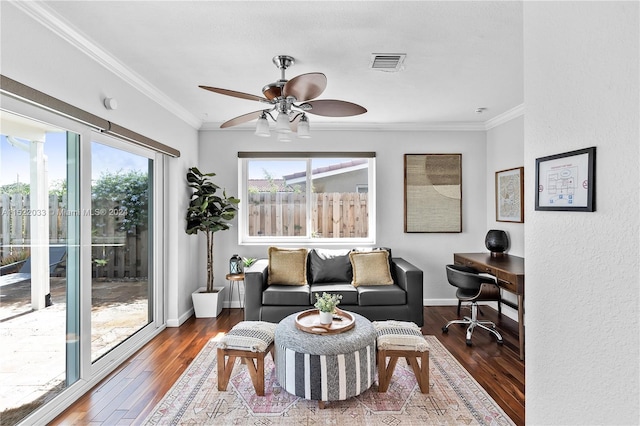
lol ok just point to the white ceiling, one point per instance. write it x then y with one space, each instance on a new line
460 55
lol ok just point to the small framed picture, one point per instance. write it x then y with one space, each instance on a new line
566 182
509 195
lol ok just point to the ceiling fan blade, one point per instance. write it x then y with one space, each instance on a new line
234 93
306 86
335 108
241 119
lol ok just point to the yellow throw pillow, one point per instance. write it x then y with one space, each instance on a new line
287 266
370 268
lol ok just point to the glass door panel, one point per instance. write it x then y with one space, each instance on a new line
121 246
38 258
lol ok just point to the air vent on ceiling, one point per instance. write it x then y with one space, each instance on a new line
390 62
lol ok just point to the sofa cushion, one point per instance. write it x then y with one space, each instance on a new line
349 293
380 295
328 266
370 268
287 266
278 294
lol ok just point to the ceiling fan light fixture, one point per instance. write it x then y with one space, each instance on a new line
282 123
303 127
262 128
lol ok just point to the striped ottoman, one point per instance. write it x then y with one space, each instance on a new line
325 367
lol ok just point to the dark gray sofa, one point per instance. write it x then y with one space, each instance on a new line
400 301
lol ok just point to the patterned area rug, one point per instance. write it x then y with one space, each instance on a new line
454 398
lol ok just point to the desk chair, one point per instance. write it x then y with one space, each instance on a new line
473 287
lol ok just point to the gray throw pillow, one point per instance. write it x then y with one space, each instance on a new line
329 266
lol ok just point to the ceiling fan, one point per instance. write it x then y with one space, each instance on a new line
292 100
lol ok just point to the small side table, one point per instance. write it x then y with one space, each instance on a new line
234 281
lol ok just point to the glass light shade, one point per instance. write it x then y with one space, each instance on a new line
284 137
282 123
262 128
303 128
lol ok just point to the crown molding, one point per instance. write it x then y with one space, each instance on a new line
52 21
506 116
454 126
450 126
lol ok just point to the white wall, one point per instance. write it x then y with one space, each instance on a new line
505 150
581 89
33 55
430 252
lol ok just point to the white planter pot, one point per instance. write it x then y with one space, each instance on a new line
326 317
207 305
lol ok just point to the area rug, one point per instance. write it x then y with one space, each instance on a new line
454 398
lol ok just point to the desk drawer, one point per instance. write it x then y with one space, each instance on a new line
505 281
477 266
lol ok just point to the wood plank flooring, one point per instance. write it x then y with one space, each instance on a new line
129 394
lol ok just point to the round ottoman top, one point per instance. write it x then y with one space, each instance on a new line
289 336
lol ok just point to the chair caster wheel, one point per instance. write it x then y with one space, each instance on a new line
445 329
468 342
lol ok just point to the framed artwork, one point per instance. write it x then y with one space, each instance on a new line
566 182
432 193
509 195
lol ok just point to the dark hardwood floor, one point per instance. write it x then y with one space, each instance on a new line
128 394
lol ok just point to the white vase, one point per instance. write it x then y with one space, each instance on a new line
326 317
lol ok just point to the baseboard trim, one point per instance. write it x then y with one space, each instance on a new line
173 322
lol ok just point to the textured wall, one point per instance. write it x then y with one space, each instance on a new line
582 301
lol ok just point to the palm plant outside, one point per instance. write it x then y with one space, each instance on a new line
208 212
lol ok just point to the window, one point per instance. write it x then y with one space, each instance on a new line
304 197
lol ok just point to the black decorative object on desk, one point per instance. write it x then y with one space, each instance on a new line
235 265
496 242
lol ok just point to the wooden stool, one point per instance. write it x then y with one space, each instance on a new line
420 369
253 360
250 341
400 339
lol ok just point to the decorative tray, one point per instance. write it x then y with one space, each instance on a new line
309 321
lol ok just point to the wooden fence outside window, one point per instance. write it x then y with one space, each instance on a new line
283 214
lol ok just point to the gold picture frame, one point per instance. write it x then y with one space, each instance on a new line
432 193
510 195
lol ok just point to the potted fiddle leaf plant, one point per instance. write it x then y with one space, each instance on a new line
208 212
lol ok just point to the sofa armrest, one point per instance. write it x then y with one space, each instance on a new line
409 278
255 282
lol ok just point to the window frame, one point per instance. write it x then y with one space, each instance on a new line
243 176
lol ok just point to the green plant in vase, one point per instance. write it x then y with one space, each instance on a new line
327 304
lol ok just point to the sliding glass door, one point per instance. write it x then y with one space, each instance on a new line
121 245
79 286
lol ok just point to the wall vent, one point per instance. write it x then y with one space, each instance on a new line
390 62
